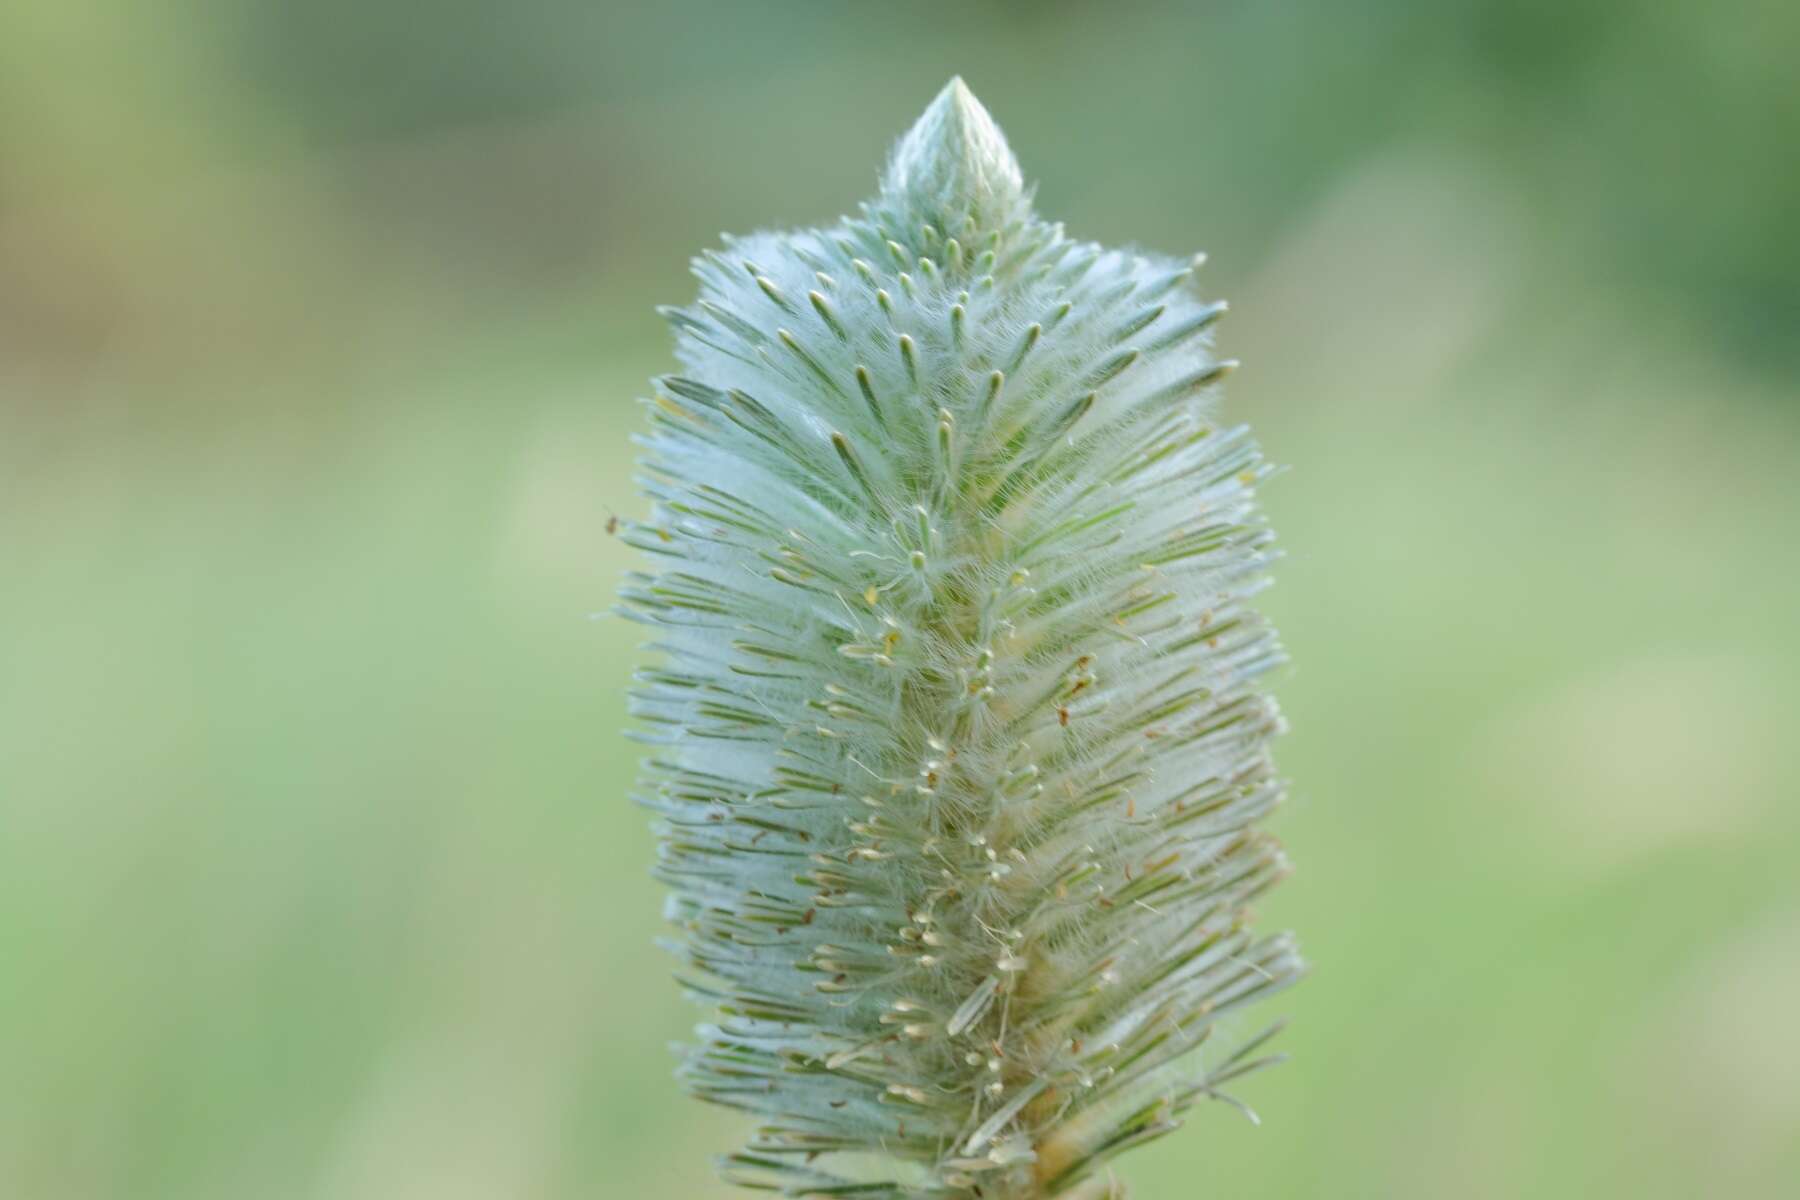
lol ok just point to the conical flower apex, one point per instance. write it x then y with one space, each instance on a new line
954 166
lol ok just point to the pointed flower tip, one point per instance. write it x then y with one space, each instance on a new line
955 160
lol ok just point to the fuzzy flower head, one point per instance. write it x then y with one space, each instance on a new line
959 748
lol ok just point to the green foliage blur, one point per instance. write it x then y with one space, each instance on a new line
320 329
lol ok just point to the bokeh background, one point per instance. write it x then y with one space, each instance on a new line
320 330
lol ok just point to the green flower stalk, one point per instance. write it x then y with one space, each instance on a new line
959 742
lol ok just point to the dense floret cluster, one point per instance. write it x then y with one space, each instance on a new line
959 747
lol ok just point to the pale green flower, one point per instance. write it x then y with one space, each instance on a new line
959 744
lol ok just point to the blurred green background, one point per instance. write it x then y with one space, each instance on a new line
320 329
